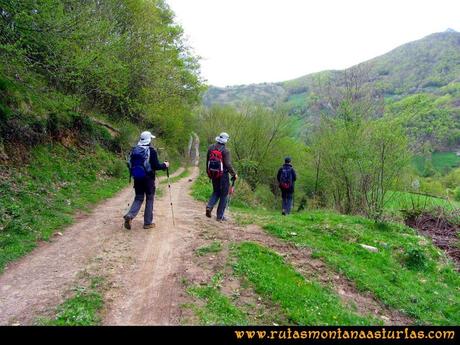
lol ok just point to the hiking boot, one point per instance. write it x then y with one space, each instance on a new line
283 213
149 226
127 224
208 212
223 219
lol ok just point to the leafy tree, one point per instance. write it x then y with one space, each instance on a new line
126 59
260 139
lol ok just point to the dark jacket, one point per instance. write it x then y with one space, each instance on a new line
227 161
155 163
294 175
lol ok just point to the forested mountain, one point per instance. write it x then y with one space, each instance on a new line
429 68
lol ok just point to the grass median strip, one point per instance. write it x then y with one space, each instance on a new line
214 247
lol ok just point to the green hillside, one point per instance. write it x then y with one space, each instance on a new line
429 67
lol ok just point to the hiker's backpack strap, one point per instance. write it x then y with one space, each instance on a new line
215 168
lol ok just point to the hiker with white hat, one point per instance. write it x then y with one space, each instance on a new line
219 167
142 163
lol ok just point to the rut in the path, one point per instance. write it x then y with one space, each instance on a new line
145 270
35 284
150 288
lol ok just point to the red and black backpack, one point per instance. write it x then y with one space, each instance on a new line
215 164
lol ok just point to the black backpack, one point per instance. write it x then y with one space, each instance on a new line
286 178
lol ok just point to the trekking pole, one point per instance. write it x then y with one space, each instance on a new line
170 197
232 190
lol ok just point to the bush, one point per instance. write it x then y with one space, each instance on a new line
118 169
457 194
264 197
244 196
126 137
415 258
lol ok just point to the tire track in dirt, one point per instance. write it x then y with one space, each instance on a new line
35 284
145 270
152 284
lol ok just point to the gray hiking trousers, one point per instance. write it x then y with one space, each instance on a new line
144 187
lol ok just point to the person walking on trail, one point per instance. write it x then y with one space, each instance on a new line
142 163
286 178
219 166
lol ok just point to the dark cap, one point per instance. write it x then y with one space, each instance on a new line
287 160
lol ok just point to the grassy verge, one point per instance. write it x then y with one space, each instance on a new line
407 273
397 201
82 309
304 302
217 308
37 200
202 188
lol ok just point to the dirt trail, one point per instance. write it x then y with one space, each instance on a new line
34 285
150 287
145 270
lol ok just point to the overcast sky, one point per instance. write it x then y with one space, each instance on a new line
253 41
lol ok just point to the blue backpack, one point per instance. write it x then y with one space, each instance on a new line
286 178
139 162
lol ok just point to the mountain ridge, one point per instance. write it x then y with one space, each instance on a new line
418 66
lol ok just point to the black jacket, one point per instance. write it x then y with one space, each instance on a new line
155 163
227 161
294 175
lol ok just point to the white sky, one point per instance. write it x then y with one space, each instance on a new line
253 41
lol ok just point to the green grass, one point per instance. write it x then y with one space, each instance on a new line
406 201
82 309
297 100
214 247
202 188
218 309
441 161
427 292
304 302
41 198
182 175
408 273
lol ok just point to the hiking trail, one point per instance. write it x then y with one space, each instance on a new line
145 270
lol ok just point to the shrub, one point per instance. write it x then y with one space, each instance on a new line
244 196
457 194
264 197
415 258
117 169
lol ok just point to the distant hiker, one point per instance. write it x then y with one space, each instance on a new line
286 178
219 167
142 163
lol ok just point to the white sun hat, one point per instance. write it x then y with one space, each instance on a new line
222 138
146 138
